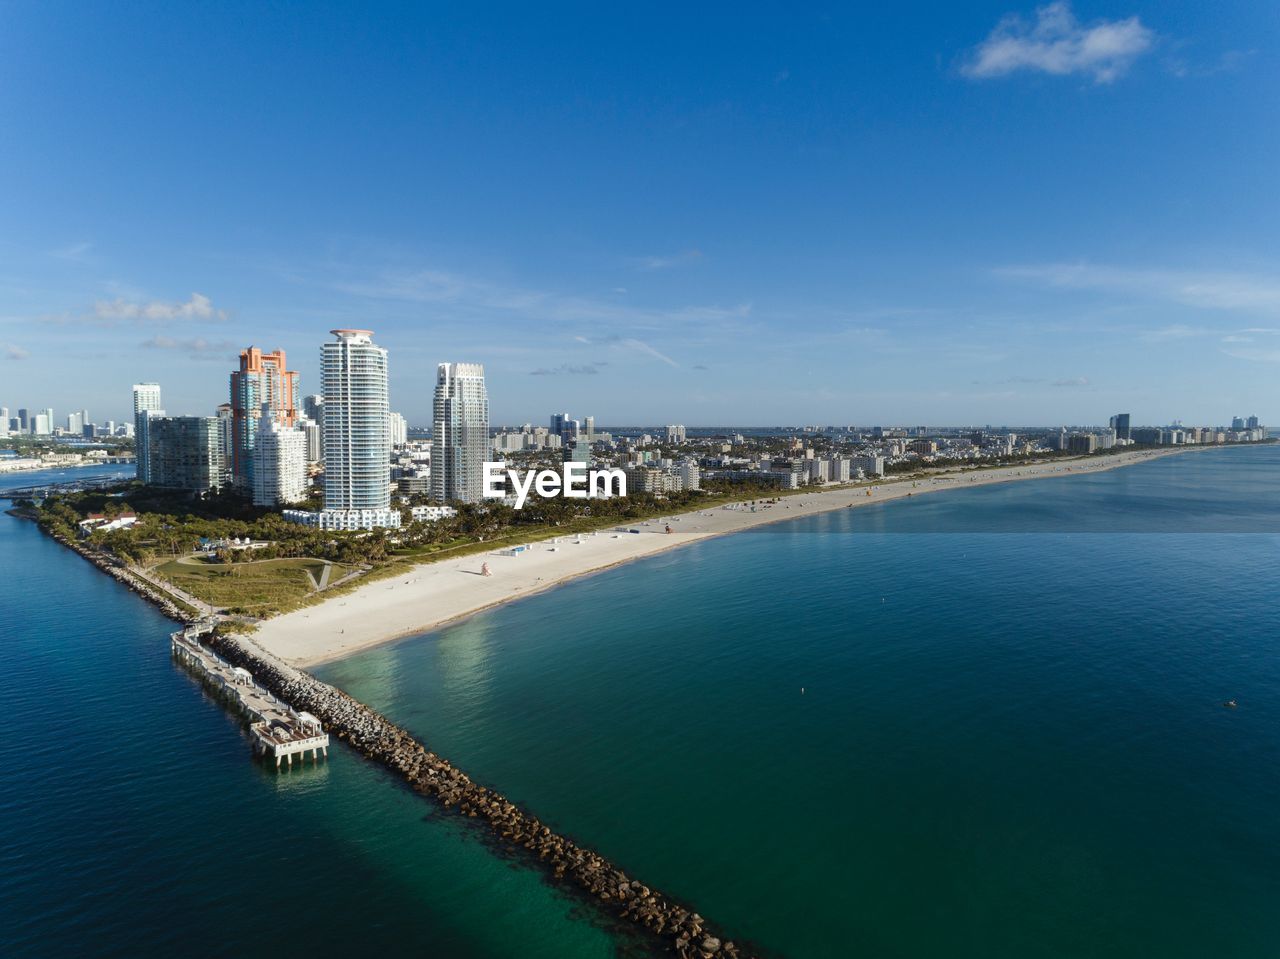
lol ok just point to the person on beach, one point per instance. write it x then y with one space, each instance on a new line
484 570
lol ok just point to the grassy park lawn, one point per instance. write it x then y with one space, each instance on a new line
258 589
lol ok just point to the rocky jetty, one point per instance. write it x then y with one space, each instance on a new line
118 571
680 930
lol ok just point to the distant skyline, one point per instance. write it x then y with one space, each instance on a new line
930 213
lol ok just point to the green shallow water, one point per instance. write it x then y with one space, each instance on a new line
133 821
1010 739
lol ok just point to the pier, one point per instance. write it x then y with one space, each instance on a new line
277 730
677 929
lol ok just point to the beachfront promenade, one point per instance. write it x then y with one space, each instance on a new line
431 594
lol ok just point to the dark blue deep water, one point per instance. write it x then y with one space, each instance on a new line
1010 742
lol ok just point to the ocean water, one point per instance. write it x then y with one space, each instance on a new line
133 821
985 723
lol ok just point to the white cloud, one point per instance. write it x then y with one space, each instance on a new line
75 252
668 261
14 352
640 346
1072 381
477 299
1178 331
1215 290
198 307
1229 62
567 369
1057 43
197 347
1249 353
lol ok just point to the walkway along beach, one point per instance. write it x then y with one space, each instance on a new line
435 593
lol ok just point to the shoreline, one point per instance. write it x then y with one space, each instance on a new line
25 465
675 928
432 595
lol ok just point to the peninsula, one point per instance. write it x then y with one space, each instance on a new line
432 594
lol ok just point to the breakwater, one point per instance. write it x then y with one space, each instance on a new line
677 928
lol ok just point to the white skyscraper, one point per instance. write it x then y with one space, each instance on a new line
357 441
279 463
460 436
398 429
311 429
146 396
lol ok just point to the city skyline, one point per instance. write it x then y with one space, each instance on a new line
923 216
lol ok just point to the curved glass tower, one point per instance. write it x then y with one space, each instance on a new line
357 442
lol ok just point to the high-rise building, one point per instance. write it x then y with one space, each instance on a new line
460 433
280 463
1237 422
76 421
357 447
42 425
313 409
24 421
261 384
183 452
1082 443
675 434
226 438
565 427
1252 423
311 429
146 396
398 429
1120 423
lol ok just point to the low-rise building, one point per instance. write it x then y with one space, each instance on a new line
432 514
345 519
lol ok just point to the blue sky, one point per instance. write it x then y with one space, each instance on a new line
911 212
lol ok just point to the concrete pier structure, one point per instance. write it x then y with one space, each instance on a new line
278 731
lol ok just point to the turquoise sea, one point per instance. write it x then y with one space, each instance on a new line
985 723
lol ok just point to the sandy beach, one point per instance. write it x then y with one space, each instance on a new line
431 594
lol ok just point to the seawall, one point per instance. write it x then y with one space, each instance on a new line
675 927
118 571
